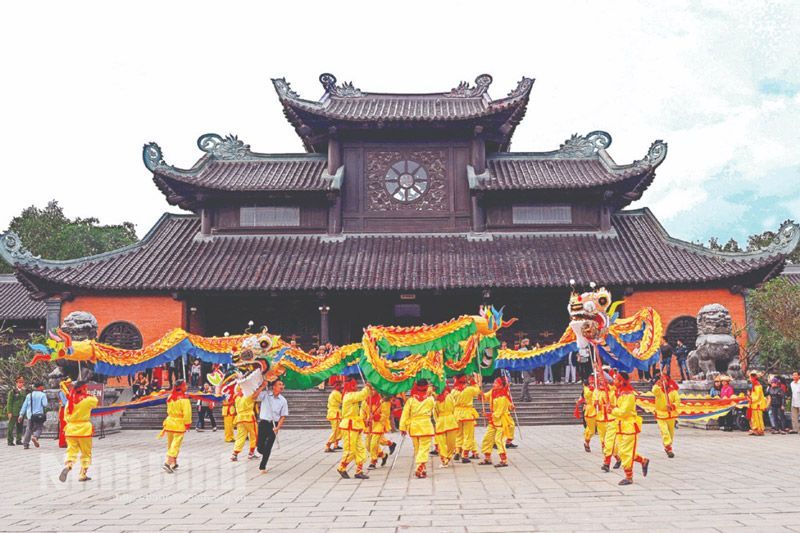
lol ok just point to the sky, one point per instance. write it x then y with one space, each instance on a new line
86 84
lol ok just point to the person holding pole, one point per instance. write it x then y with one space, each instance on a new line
466 415
79 429
499 406
178 420
416 421
274 410
352 426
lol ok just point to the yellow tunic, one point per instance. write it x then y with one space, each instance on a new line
628 426
666 410
179 415
463 403
495 433
334 405
79 421
351 410
444 414
244 409
416 421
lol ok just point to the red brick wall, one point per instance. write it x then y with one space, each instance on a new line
153 315
673 303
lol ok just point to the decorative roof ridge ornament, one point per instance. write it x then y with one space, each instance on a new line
580 146
655 155
465 90
345 90
284 88
786 239
523 86
224 148
14 252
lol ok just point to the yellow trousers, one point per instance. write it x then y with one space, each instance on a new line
510 429
465 437
353 449
245 431
667 429
757 421
493 437
627 444
601 434
610 441
174 441
374 443
82 445
447 444
591 427
422 449
336 433
227 424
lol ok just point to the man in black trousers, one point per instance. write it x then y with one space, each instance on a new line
274 410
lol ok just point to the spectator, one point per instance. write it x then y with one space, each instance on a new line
726 422
33 408
681 353
795 406
197 368
274 410
777 401
14 401
716 388
666 356
527 375
206 409
569 367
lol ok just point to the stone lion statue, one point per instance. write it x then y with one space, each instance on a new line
716 349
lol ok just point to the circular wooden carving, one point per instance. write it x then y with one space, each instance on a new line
406 180
122 335
683 328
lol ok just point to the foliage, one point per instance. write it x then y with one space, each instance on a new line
50 234
730 246
775 308
15 364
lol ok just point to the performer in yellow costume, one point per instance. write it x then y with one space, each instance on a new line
466 415
605 396
334 416
668 401
629 425
352 425
510 425
78 430
590 415
499 405
416 421
246 428
229 415
757 404
446 426
179 419
375 412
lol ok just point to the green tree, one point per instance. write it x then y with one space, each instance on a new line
50 234
775 311
730 246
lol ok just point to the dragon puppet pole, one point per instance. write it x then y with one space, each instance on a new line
396 455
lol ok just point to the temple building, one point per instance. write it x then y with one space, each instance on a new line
403 209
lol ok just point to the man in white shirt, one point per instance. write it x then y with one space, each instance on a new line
274 410
795 386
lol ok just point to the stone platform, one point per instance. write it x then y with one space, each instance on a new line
718 482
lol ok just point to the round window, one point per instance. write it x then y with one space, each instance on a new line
406 181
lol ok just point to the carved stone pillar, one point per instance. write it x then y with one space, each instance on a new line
323 323
52 313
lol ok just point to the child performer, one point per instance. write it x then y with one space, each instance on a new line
667 402
78 431
375 412
466 415
245 422
179 419
352 426
416 421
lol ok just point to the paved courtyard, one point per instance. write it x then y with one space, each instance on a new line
717 482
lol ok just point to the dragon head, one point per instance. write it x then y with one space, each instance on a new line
587 305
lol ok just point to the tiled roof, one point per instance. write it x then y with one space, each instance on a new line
16 303
792 273
300 172
345 102
171 257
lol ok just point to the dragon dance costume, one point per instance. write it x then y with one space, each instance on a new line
466 415
667 403
605 402
352 425
499 404
334 416
416 421
178 420
78 430
375 412
245 424
228 416
590 415
446 426
628 426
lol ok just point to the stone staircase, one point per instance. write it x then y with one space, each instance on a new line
549 405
